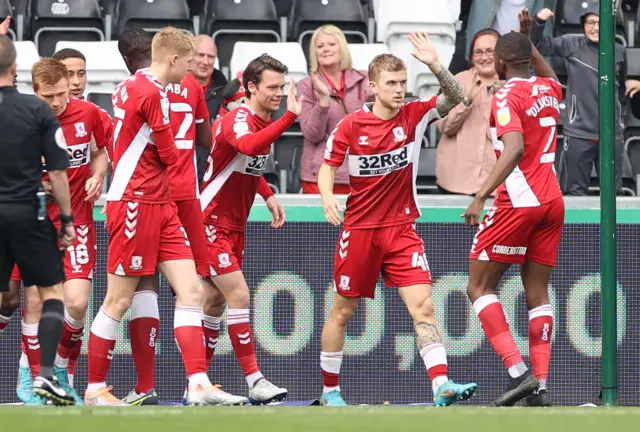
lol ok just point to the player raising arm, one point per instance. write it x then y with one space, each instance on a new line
145 232
382 144
242 143
524 225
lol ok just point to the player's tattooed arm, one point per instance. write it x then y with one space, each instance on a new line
452 92
427 334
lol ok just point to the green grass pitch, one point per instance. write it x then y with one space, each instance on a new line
303 419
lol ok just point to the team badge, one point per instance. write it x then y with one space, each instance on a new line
136 263
504 116
345 282
81 131
223 260
398 134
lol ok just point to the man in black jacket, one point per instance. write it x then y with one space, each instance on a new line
212 82
581 127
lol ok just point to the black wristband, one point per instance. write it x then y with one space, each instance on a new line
66 219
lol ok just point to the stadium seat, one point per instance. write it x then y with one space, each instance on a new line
426 181
26 56
307 15
283 7
230 21
6 9
632 149
105 67
70 20
362 54
398 18
289 53
152 15
103 100
287 152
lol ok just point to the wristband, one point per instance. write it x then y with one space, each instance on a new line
66 219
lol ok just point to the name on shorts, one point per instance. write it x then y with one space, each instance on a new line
509 250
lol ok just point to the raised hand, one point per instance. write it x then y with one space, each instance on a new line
526 22
293 104
425 51
544 14
476 85
4 26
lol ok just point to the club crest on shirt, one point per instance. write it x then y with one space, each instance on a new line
81 130
503 116
398 134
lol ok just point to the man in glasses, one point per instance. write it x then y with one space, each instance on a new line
581 126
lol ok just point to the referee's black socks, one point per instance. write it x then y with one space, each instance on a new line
49 334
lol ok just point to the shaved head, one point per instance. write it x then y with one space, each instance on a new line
205 59
513 53
7 55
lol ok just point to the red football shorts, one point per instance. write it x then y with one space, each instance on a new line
143 235
361 254
79 258
225 248
513 235
190 215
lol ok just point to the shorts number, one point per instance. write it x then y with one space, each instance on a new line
420 260
79 255
185 126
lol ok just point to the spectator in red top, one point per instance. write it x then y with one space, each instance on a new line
333 90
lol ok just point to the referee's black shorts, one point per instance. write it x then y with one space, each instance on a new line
30 243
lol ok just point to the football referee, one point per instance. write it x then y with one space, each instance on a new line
29 134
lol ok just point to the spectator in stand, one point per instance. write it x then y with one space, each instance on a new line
581 129
333 90
4 26
465 154
502 16
212 82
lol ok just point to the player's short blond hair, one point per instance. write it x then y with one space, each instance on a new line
385 63
171 41
331 30
48 72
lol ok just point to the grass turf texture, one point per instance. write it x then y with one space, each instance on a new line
284 419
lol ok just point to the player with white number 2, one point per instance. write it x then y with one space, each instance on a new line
524 225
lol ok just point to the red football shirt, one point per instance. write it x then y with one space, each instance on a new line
140 106
529 106
231 179
383 158
83 130
187 107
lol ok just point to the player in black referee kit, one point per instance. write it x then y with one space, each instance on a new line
29 133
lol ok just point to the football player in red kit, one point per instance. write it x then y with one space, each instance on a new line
145 232
84 134
190 126
524 225
241 147
382 145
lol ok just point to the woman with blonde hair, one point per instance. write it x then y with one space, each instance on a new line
333 90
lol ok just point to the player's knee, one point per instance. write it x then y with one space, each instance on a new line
116 306
342 314
213 303
33 303
474 291
76 307
190 294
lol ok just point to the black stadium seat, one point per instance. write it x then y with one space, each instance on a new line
103 100
6 9
283 7
152 15
307 15
66 20
230 21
